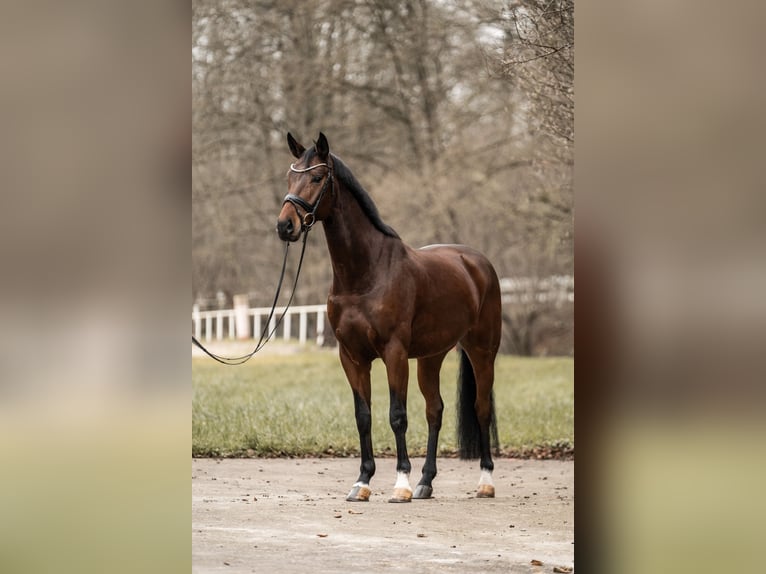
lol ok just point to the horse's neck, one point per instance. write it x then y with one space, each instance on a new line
358 250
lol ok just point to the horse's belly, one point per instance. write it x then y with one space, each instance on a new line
435 339
365 328
438 334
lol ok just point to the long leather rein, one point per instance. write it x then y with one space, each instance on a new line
307 221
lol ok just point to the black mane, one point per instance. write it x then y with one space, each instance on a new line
344 175
347 178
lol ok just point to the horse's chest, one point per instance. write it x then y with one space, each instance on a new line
359 321
349 313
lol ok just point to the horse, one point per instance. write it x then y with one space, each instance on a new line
393 302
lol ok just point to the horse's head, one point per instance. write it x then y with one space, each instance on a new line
310 188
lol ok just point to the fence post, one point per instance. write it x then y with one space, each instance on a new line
272 324
320 327
257 324
219 325
231 316
241 303
302 327
208 327
287 326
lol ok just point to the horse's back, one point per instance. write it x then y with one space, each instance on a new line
462 257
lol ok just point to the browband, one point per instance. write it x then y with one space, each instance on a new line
296 170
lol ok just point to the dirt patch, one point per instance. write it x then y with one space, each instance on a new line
290 515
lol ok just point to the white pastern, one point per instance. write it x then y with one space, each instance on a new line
402 481
486 477
357 483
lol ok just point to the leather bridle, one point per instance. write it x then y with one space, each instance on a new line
308 219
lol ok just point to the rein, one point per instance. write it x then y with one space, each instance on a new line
264 337
307 220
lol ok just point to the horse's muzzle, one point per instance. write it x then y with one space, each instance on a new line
286 230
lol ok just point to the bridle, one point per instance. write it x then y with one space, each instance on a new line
309 217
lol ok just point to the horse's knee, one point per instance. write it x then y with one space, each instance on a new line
398 420
363 421
362 413
397 414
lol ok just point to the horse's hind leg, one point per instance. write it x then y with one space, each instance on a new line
428 381
483 363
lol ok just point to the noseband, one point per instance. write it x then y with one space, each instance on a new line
309 217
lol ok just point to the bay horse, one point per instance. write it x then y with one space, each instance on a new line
393 302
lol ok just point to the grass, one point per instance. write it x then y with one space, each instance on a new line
300 405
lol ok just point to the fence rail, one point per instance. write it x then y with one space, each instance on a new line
554 289
249 323
244 322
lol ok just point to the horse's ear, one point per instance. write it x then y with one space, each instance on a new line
323 148
295 148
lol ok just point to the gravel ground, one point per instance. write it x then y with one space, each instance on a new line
290 515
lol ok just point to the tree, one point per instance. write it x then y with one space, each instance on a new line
538 60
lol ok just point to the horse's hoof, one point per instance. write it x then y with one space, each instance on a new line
423 491
401 495
359 493
485 491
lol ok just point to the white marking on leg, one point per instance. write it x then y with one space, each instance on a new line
486 477
402 481
359 483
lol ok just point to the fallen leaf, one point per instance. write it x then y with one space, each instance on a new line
354 512
322 535
536 563
337 515
562 569
421 535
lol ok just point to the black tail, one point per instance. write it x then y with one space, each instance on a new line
468 431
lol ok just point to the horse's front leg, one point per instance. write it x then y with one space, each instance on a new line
358 375
397 369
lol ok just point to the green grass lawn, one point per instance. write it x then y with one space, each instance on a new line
300 404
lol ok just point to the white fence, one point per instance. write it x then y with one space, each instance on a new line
247 323
555 289
244 323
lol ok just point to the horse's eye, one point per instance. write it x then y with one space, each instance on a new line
316 179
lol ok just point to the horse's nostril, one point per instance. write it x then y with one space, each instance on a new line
285 228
